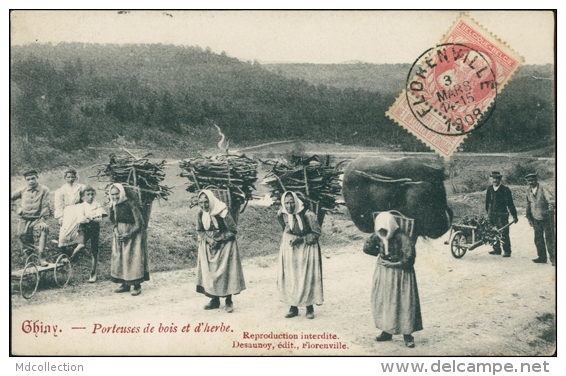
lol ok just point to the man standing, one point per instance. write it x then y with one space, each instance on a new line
540 213
498 204
34 210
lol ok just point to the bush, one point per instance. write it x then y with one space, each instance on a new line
475 182
41 156
516 174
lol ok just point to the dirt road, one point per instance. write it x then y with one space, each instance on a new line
480 304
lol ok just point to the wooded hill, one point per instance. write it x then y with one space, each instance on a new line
69 96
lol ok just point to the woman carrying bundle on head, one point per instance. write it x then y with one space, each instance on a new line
129 264
219 269
394 297
300 264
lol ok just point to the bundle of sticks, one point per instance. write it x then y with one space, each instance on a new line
237 172
140 178
320 183
484 229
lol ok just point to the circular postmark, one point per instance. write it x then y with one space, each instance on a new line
451 89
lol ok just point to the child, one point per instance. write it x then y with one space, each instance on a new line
89 227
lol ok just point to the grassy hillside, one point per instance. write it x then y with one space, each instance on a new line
383 78
70 97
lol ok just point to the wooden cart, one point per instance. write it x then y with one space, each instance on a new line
28 278
466 238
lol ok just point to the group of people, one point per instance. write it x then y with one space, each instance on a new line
219 269
79 217
394 298
540 214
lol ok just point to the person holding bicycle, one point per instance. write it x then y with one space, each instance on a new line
34 210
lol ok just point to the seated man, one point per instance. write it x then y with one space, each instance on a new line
34 210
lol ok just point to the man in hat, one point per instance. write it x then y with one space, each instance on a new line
540 214
33 211
498 204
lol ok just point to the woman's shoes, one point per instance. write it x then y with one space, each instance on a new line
122 288
293 311
409 340
310 312
92 279
384 336
137 290
213 304
229 307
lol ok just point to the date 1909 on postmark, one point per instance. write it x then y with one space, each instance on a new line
452 88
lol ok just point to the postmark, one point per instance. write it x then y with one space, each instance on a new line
457 82
451 89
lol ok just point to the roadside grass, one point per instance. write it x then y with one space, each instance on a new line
470 180
40 155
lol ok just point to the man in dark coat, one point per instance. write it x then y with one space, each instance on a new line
498 204
540 213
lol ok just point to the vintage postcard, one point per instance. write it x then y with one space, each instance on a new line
282 183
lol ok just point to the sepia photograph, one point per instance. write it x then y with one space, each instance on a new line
282 183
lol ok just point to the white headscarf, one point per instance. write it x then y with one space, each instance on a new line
122 196
299 206
215 207
386 221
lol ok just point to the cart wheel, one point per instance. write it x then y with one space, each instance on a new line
458 245
29 280
62 270
32 259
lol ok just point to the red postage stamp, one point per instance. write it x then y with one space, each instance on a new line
452 88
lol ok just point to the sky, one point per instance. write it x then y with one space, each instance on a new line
288 36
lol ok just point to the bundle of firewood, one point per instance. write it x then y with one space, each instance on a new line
140 178
237 172
484 229
320 183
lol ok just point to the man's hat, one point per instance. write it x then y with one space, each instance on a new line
496 174
30 173
532 176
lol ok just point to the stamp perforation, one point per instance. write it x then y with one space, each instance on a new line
503 61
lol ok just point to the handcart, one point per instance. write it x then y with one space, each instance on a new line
28 277
466 238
